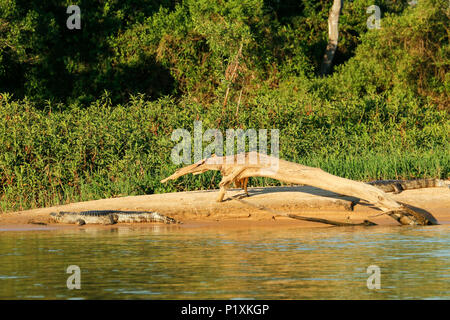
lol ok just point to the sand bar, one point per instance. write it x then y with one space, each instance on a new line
199 208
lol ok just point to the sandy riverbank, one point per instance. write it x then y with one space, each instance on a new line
199 208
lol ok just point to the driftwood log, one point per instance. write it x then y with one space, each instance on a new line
238 168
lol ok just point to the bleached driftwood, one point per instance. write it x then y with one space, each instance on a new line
238 168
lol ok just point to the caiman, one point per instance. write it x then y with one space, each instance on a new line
397 186
110 217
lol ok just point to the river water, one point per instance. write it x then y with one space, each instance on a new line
161 262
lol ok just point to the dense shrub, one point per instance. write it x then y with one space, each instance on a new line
409 54
50 156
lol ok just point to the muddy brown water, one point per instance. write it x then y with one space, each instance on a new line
161 262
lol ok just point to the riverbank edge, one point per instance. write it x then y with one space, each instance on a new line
263 208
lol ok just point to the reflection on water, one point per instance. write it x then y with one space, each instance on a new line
255 263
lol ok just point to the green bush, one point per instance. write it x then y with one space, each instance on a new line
54 156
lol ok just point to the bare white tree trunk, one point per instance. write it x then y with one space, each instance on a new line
333 36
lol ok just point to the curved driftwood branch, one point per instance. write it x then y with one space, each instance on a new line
238 168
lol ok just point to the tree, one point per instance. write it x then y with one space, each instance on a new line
333 36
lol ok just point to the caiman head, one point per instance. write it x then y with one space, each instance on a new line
408 216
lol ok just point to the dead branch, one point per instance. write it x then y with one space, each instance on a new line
238 168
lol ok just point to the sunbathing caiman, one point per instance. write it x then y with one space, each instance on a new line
110 217
397 186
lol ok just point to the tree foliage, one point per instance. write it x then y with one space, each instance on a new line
194 47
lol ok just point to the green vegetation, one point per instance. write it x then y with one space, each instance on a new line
88 114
